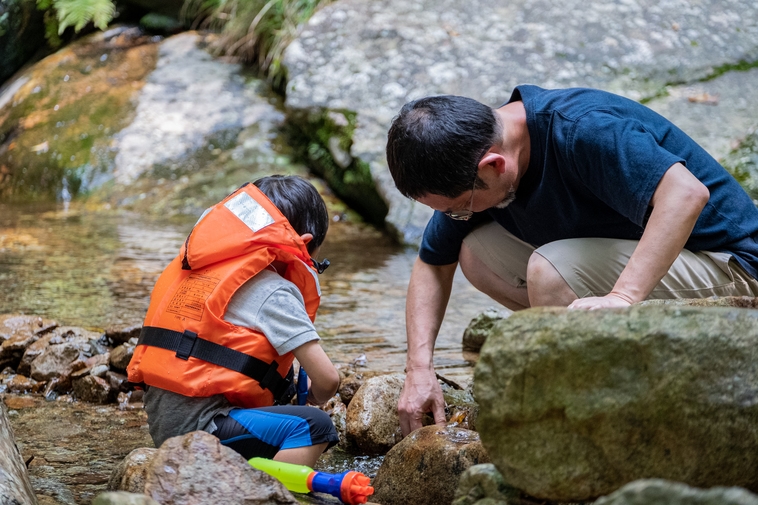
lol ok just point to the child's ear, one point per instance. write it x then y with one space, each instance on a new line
306 237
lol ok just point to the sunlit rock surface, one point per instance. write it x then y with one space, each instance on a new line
371 57
575 404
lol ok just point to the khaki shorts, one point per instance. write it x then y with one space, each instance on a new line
591 266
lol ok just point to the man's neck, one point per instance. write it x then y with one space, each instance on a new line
516 140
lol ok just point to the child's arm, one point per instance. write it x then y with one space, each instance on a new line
324 377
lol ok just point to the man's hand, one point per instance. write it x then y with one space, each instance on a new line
609 301
421 394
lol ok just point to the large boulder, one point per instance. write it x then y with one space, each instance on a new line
425 467
364 59
575 404
654 491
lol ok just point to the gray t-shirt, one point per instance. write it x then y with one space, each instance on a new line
267 303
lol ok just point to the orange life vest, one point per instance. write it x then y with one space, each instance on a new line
186 346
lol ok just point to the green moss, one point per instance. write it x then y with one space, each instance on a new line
61 123
323 140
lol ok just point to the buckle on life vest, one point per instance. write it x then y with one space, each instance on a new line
187 342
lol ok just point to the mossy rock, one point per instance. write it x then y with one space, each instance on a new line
323 139
574 404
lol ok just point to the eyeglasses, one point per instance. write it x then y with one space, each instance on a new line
463 215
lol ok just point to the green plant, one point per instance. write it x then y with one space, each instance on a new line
253 31
60 14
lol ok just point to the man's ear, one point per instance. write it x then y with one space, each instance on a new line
493 160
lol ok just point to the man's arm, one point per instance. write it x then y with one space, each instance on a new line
428 294
677 203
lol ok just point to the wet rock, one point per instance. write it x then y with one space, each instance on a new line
55 361
480 327
78 335
115 379
13 324
338 413
653 491
129 475
65 110
98 360
575 404
120 357
17 333
123 498
34 350
16 383
196 469
122 334
373 424
424 468
349 386
93 389
461 409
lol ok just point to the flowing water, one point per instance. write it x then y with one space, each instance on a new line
95 269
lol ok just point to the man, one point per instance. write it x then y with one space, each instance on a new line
574 197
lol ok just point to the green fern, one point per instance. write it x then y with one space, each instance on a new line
78 13
60 14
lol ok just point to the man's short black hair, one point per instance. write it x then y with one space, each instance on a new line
300 203
435 145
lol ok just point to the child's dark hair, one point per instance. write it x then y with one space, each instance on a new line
300 203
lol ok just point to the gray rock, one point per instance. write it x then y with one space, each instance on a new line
34 350
349 386
371 57
373 424
742 302
480 327
120 356
122 333
123 498
195 469
575 404
661 492
55 361
188 99
484 482
93 389
425 467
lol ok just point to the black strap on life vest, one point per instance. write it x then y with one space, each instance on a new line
188 344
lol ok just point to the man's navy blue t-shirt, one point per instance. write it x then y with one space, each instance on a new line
596 159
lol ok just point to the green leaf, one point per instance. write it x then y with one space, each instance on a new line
78 13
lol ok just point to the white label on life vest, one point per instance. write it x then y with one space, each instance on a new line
249 211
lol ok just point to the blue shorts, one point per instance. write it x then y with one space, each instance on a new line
264 431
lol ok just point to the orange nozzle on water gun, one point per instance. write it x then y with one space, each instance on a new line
350 487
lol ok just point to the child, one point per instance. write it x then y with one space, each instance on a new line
226 319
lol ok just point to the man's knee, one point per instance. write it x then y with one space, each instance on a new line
545 283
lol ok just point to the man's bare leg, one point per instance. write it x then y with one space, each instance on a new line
546 285
486 281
